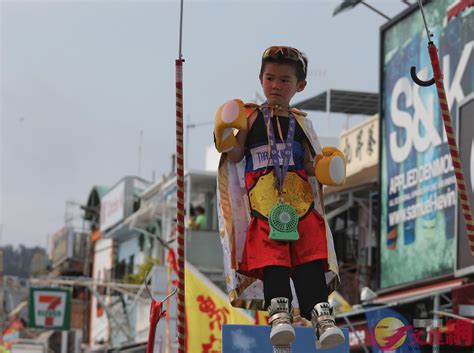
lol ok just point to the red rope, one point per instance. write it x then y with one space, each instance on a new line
180 205
172 261
453 149
156 314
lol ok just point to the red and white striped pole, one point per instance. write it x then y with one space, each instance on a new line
181 323
180 203
453 149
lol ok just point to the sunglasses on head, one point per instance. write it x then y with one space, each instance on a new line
286 53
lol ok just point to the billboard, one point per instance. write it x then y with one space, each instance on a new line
49 308
418 186
112 207
120 202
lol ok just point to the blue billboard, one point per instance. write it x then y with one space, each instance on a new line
418 185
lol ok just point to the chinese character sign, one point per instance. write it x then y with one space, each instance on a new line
360 146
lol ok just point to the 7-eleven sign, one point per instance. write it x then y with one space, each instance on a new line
49 308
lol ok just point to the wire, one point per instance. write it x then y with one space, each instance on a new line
428 33
181 32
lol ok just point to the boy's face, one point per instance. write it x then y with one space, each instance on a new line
280 84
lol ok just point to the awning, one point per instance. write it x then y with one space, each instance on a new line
139 347
146 214
407 296
420 293
141 219
18 309
342 101
43 337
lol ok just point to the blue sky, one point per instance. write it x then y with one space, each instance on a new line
81 79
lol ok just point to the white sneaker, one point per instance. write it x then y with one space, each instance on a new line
328 335
282 333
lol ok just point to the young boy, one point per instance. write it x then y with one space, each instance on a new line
286 236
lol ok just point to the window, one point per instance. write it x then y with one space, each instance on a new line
130 266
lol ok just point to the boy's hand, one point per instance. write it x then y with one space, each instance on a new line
331 167
231 115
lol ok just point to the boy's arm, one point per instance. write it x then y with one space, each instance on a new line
308 160
237 153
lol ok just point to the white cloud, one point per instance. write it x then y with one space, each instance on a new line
242 342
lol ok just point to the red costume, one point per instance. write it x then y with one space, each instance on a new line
259 250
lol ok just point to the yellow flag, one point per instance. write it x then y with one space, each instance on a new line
261 317
343 305
207 309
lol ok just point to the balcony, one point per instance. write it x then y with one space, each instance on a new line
204 251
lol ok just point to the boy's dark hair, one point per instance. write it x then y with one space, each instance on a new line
279 59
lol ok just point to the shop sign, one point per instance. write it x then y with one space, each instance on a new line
49 308
390 331
359 337
112 207
361 146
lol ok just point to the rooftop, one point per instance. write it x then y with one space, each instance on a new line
342 101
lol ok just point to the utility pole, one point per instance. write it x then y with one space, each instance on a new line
189 126
140 153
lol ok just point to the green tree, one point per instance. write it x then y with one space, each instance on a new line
143 269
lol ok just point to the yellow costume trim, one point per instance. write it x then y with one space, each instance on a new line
251 105
296 191
298 112
225 204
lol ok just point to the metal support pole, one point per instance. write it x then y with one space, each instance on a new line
328 108
64 335
188 197
435 319
369 245
348 322
375 10
187 127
